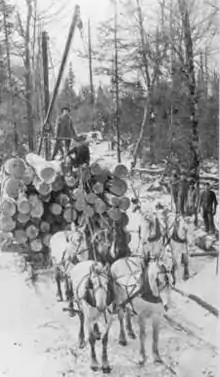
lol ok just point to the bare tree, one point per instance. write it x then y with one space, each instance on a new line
25 34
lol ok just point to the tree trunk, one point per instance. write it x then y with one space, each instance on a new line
28 79
193 100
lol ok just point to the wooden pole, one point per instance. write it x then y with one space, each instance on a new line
10 76
60 74
90 63
46 88
116 84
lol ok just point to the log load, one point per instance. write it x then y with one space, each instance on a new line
40 198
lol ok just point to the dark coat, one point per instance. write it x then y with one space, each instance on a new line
65 128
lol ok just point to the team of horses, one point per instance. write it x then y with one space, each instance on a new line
137 285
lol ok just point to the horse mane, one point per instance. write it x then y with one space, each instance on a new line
157 235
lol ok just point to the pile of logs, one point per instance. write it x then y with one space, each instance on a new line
39 198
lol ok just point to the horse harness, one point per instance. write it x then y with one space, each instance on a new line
90 291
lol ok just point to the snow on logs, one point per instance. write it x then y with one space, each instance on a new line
40 198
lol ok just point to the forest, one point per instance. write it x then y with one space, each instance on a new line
163 89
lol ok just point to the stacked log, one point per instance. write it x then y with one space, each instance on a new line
40 198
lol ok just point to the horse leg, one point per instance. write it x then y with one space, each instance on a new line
142 338
105 363
156 329
92 339
96 331
81 330
67 288
173 273
58 282
122 337
185 262
129 328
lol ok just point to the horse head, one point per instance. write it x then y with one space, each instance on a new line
98 286
159 277
180 230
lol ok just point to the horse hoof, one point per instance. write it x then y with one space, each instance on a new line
106 369
186 277
123 342
132 335
157 359
94 367
82 344
142 360
60 299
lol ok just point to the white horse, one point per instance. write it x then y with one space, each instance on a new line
145 285
164 231
91 288
66 247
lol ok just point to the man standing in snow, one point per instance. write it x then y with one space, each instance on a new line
174 185
208 203
65 133
182 194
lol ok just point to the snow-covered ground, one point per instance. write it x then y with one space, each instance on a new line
38 339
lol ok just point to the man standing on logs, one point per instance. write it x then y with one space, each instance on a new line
65 133
182 194
174 185
208 203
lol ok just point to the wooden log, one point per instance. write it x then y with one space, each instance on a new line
36 245
70 181
100 206
89 211
28 176
46 170
32 232
95 169
23 204
78 193
80 204
58 184
120 171
63 200
13 187
15 167
69 214
46 239
199 301
114 214
56 209
7 224
112 200
91 198
42 187
117 186
20 236
22 218
37 207
5 237
205 254
44 227
8 207
124 203
98 188
45 198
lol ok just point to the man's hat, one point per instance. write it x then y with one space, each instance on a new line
65 107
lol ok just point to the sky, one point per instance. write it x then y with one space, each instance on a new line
56 21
